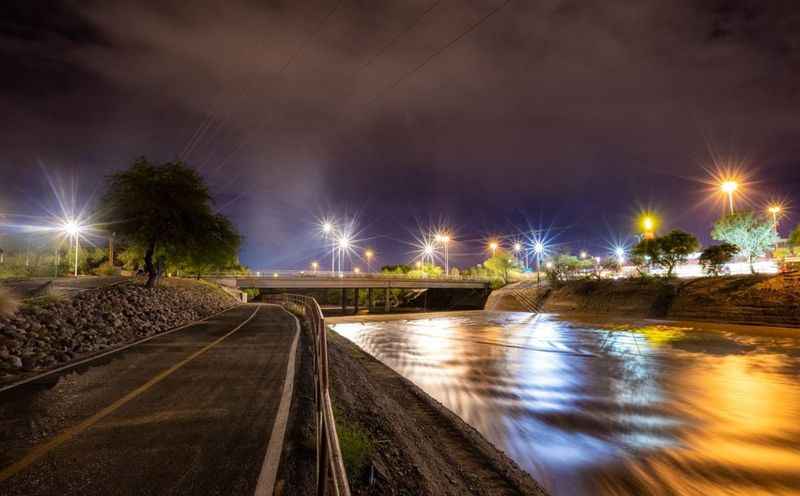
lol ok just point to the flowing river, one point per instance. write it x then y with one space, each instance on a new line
614 408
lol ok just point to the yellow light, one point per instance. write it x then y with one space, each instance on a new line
368 254
729 186
775 209
274 274
419 264
493 246
647 223
314 265
356 270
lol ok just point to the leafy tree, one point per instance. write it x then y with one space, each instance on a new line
714 258
500 267
751 233
676 246
165 212
794 238
665 251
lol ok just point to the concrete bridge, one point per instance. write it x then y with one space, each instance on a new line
301 280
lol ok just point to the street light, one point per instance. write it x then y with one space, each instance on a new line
584 254
72 228
538 248
729 187
327 231
344 244
620 253
775 210
444 239
368 254
493 246
315 266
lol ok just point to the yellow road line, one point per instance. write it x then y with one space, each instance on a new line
43 449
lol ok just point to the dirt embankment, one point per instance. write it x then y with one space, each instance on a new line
397 440
759 299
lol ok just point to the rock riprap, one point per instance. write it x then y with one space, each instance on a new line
44 334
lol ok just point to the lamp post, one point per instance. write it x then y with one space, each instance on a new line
444 239
73 229
368 254
775 210
538 248
493 246
517 248
344 244
327 230
729 188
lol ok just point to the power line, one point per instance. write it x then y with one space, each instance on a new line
444 48
391 42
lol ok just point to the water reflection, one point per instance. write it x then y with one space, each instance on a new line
611 409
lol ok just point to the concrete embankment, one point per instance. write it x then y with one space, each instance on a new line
51 329
759 299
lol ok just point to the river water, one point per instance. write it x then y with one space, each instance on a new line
611 408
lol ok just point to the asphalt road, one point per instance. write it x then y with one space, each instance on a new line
191 412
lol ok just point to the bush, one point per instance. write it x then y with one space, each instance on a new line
106 269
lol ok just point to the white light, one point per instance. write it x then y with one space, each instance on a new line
538 247
327 227
428 250
72 228
620 252
517 247
344 243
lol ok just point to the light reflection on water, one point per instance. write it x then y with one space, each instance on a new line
625 409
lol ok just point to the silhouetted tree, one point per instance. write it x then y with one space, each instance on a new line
714 258
165 213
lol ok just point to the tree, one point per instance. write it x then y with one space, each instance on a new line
165 212
714 258
676 246
794 238
500 266
751 233
665 251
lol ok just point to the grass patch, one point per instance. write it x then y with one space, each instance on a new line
357 448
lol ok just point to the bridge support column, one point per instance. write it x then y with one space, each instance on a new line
344 300
356 293
370 303
386 303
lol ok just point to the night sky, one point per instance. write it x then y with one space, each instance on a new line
486 115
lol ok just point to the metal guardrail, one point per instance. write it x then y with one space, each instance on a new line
331 474
326 274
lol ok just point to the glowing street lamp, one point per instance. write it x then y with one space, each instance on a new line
344 245
328 232
357 270
493 246
73 228
775 210
369 254
538 248
620 254
584 254
729 187
315 266
445 240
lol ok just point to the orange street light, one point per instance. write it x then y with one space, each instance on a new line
493 246
729 187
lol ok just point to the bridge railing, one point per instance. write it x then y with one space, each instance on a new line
331 474
326 274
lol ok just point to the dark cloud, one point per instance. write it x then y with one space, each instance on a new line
563 112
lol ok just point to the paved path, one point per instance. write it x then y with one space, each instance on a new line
187 413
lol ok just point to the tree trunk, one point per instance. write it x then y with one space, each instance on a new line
149 267
750 259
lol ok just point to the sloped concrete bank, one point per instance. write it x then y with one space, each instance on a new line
756 300
49 331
